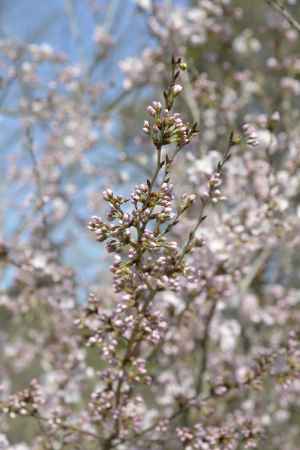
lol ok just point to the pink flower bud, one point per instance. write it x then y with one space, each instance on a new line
177 88
157 106
150 110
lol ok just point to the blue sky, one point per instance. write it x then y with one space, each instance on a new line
68 25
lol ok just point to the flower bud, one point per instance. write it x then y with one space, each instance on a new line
157 106
150 110
177 88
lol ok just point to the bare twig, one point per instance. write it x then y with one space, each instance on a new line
278 6
205 347
37 176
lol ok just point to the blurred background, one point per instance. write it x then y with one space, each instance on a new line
82 45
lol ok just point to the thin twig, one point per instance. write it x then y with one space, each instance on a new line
37 176
72 428
206 200
205 348
278 6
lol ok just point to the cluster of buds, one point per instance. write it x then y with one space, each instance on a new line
24 403
250 135
101 403
167 127
227 437
214 184
99 228
187 200
153 326
138 372
140 194
98 328
155 205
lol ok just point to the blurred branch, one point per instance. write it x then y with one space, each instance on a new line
190 98
191 102
255 269
74 26
244 286
107 25
205 347
278 6
111 106
110 15
37 176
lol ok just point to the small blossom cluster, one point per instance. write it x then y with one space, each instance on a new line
227 437
168 128
24 403
250 135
